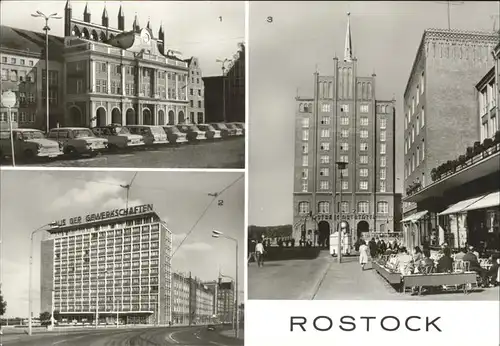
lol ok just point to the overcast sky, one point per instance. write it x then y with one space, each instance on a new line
283 55
191 27
30 199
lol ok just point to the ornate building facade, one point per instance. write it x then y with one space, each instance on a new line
344 122
114 75
196 95
193 301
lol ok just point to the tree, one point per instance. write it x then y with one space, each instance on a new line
45 318
3 305
57 315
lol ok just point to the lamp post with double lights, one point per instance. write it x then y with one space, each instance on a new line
50 225
341 166
218 234
46 29
223 65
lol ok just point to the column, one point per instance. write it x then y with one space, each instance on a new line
176 115
109 108
91 109
92 77
108 72
155 115
166 84
124 70
155 83
124 110
139 81
177 87
140 119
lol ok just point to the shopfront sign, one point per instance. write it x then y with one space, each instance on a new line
350 216
110 214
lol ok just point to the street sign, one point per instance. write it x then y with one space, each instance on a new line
8 99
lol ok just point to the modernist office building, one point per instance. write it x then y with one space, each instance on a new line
193 302
22 63
115 75
344 121
115 263
440 106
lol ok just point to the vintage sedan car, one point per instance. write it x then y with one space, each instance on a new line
29 144
226 131
210 131
233 126
78 140
193 134
211 327
152 134
175 136
118 136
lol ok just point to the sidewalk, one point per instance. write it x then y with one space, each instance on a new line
230 334
287 279
348 282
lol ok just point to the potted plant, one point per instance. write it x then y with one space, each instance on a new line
488 143
497 137
470 153
462 159
477 148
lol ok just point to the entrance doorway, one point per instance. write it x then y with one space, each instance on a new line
363 227
324 233
101 116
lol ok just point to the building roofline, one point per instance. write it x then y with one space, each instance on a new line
490 74
434 33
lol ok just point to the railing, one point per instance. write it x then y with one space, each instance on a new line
475 154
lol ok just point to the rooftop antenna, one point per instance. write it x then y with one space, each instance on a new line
128 186
449 4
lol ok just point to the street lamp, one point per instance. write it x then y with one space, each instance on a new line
218 234
341 166
46 29
52 225
223 65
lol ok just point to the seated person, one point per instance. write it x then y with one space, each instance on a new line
445 263
426 264
405 262
475 266
460 256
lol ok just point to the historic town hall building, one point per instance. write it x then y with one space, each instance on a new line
115 75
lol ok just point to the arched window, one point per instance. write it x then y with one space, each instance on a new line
306 108
324 207
382 207
76 31
303 208
301 107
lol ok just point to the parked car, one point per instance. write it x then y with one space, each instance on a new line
225 131
174 135
193 134
78 140
118 136
241 126
28 144
233 126
211 327
152 134
210 131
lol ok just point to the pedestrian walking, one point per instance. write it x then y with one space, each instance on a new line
364 254
251 251
259 251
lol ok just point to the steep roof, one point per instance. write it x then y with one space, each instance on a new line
30 42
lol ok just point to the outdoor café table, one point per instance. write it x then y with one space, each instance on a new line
439 279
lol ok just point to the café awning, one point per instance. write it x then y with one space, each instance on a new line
487 201
460 206
415 217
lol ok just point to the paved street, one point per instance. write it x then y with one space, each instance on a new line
324 279
220 154
180 336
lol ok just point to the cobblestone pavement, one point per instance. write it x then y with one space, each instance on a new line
324 279
221 154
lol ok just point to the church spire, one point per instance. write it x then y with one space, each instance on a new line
86 13
348 43
136 25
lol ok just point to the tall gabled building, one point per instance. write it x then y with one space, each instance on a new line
344 122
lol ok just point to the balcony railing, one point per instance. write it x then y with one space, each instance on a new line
477 153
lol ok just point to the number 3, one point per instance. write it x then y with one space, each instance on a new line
269 19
